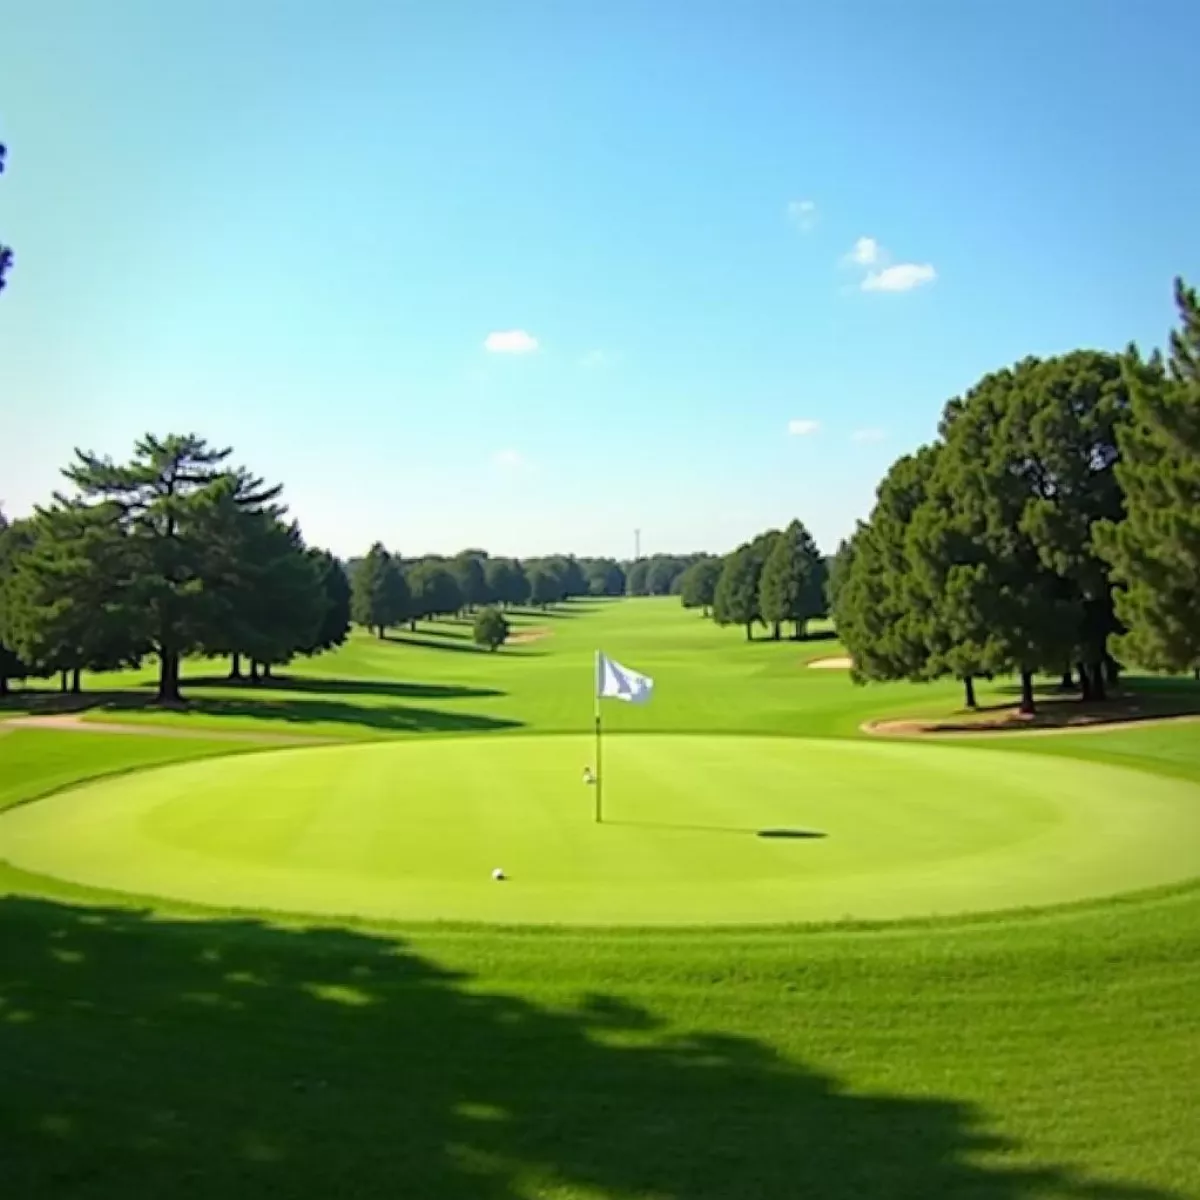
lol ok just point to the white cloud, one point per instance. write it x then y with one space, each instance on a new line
802 214
509 460
903 277
510 341
866 252
870 435
803 427
593 360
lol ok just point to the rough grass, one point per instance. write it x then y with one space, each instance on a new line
152 1051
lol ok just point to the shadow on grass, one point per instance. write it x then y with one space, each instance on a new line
739 830
450 643
230 1059
264 705
315 686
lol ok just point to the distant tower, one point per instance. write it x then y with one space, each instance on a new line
637 544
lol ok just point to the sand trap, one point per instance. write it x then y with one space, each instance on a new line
840 662
523 637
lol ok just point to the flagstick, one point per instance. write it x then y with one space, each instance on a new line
599 774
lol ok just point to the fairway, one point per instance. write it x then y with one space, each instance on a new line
697 830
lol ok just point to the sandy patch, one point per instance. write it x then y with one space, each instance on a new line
525 637
1016 725
839 662
68 723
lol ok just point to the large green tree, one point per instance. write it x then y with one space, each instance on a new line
735 601
1029 462
334 626
635 577
698 586
1155 549
491 629
604 577
792 583
468 571
65 598
166 500
380 595
271 590
545 584
15 538
435 591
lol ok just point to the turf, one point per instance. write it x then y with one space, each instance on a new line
698 829
151 1049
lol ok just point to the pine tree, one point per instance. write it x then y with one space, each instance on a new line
380 593
15 539
698 588
334 627
735 601
1155 549
167 498
791 588
65 597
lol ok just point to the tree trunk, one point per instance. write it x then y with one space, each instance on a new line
77 681
801 630
235 666
1068 681
266 671
749 631
3 684
63 681
969 691
1099 690
1028 705
254 677
776 631
1112 669
168 677
1085 682
412 627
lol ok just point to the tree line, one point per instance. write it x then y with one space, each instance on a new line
1052 527
777 578
178 552
390 590
175 552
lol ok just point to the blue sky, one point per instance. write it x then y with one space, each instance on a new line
293 228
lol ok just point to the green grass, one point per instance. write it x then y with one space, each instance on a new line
152 1049
697 829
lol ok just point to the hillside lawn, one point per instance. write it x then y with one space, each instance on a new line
153 1048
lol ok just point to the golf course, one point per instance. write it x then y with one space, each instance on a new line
255 945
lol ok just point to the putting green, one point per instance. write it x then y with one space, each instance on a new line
413 830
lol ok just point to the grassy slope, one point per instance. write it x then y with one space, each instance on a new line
1053 1055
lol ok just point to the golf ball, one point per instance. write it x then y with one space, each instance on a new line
497 874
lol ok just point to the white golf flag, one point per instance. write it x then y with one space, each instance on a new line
615 682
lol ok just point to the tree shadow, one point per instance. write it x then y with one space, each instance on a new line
316 686
268 705
431 642
541 614
392 718
230 1058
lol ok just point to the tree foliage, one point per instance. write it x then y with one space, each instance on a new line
380 595
491 628
792 586
1154 549
735 601
698 584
